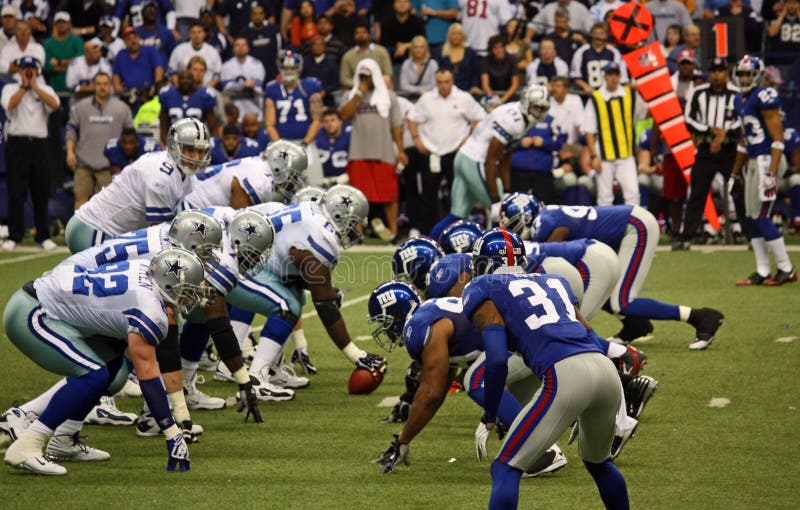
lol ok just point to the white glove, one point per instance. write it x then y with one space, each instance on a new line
481 438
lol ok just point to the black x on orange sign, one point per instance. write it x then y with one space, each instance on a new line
631 23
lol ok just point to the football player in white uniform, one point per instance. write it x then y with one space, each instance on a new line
71 320
147 191
238 183
476 165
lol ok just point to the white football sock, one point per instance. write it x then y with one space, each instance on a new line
299 339
266 352
762 256
241 330
189 370
684 312
778 249
68 428
39 404
40 428
616 350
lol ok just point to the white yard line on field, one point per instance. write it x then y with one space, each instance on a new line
39 255
255 328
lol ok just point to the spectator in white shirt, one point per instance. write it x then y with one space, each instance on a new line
196 46
243 76
9 15
579 19
439 123
566 108
81 71
21 46
110 44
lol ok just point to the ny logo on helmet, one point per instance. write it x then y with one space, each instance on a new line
386 300
460 241
408 254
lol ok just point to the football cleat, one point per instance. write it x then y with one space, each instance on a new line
631 362
131 388
551 461
70 447
196 399
301 358
285 377
146 426
753 279
621 437
32 461
638 391
706 322
633 328
107 413
781 277
14 421
208 361
268 392
399 413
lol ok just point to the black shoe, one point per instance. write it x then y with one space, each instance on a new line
781 277
633 328
630 363
706 322
301 358
753 279
638 392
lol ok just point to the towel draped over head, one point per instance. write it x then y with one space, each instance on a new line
380 94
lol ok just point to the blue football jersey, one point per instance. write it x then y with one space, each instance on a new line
749 110
539 314
262 139
292 110
466 344
161 38
333 151
540 159
791 141
179 106
605 223
115 156
571 251
247 147
646 140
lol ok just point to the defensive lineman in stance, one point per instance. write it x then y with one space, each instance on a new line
535 316
761 155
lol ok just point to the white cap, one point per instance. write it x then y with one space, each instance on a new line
8 10
62 16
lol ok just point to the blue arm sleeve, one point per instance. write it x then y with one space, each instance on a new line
496 346
156 397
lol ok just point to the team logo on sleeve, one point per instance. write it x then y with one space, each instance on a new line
175 269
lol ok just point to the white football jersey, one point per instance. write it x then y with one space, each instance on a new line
213 186
141 244
112 300
222 272
146 191
305 227
268 208
506 123
482 19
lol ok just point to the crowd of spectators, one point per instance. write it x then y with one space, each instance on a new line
146 63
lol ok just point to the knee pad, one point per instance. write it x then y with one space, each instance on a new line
279 326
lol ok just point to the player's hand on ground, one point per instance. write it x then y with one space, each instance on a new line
248 402
372 362
392 457
177 453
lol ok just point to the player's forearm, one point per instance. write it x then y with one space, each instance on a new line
741 159
775 158
272 131
312 132
427 402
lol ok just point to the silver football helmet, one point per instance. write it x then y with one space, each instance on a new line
178 275
288 162
196 231
347 209
535 102
189 145
252 235
309 194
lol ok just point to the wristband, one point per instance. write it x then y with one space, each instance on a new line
241 376
172 431
352 352
741 149
778 145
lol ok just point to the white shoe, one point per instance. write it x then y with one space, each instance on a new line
621 437
107 413
23 456
380 229
146 425
131 389
223 374
66 447
552 460
196 399
285 377
8 245
14 421
48 245
268 392
208 362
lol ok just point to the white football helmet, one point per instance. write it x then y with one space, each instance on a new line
178 275
189 134
196 231
347 208
309 194
288 162
252 235
535 102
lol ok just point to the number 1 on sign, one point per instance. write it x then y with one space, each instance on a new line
721 39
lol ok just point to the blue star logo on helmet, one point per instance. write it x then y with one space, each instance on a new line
284 155
250 230
175 268
200 228
347 201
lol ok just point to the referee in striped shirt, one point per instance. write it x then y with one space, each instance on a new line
713 123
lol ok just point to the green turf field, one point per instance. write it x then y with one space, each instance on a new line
314 452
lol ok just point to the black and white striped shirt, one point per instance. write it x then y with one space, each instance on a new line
706 109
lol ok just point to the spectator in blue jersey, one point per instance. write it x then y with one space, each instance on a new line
129 12
499 71
121 152
239 15
264 39
289 103
214 37
783 37
589 61
252 129
462 60
186 100
333 142
154 33
532 162
547 65
318 64
232 145
137 69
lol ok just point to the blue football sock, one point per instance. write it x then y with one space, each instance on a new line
445 222
768 229
239 315
610 483
795 194
646 308
74 397
644 196
509 406
193 341
505 486
277 329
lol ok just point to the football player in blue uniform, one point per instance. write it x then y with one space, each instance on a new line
292 105
333 143
413 259
761 156
96 309
232 145
186 100
460 237
633 233
535 316
126 149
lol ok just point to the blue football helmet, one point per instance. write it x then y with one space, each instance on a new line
498 250
390 305
748 73
413 259
518 211
460 236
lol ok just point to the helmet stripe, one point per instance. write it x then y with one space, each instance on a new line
509 247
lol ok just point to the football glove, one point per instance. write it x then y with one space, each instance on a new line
399 413
248 400
482 437
177 453
372 362
339 296
768 187
191 434
394 455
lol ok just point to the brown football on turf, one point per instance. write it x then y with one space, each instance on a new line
362 381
